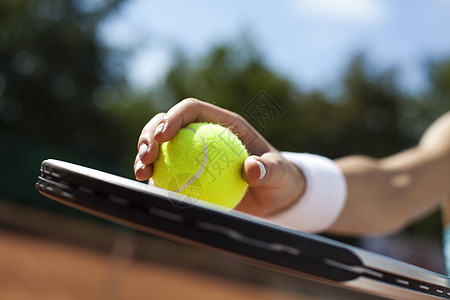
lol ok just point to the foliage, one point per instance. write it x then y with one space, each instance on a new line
51 68
364 119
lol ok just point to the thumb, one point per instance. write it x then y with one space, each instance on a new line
260 170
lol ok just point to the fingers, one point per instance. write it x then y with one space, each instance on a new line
274 183
147 146
193 110
266 170
148 149
165 126
141 171
188 111
254 170
272 170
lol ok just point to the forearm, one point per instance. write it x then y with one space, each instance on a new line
365 211
387 194
384 196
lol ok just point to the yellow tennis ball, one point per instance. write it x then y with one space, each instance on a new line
203 161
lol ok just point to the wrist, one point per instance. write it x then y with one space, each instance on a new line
323 196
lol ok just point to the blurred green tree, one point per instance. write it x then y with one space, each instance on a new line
53 75
436 98
52 66
363 119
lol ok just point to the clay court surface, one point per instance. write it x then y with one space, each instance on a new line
31 268
44 263
50 256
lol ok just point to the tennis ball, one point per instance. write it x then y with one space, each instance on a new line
203 161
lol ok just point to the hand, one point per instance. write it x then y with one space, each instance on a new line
281 185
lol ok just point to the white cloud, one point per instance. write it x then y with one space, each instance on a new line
352 11
117 33
148 66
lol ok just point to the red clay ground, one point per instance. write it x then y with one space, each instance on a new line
48 256
31 268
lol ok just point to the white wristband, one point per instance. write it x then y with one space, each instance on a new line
324 196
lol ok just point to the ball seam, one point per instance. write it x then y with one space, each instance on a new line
202 167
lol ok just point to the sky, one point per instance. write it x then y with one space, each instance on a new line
309 41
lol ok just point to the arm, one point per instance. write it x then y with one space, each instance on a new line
382 195
387 194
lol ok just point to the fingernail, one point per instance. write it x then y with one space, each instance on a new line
139 165
262 169
159 129
142 150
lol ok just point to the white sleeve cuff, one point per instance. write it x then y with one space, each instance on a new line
324 196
